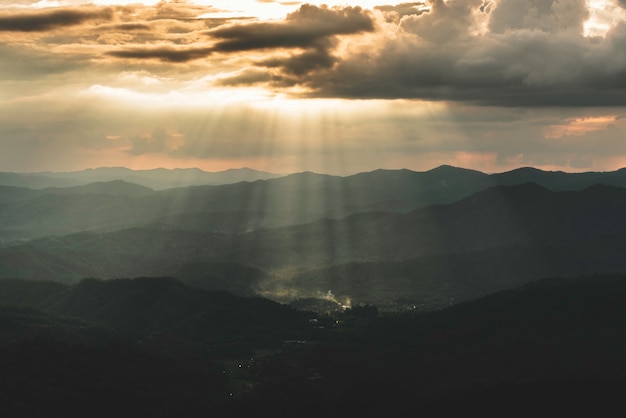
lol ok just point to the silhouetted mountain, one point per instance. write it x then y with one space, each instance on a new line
157 179
146 308
234 208
231 277
247 206
559 180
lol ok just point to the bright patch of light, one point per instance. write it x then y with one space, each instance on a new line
40 5
249 8
141 77
603 15
180 98
579 126
124 2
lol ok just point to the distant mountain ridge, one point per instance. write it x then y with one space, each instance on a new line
157 179
231 208
161 178
248 205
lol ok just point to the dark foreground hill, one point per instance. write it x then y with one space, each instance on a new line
552 347
143 307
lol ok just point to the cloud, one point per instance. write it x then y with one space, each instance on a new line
303 28
158 141
247 77
445 21
395 13
508 53
310 28
318 57
171 85
164 53
545 15
521 53
124 27
579 126
51 19
20 63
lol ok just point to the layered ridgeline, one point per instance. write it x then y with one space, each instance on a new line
243 201
385 237
156 179
232 208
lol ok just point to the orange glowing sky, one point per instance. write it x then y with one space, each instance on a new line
337 87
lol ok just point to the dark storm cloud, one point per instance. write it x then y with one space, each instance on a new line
525 69
318 57
310 28
301 29
50 19
129 27
519 53
528 53
163 53
250 76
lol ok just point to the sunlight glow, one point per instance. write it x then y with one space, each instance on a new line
180 98
579 126
603 15
39 5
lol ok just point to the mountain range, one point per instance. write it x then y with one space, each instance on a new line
386 237
157 179
439 292
251 205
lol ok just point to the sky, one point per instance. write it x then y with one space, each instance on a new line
333 87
